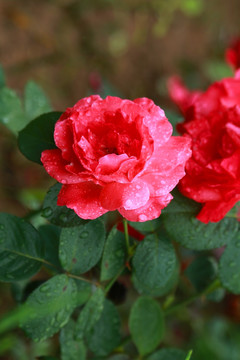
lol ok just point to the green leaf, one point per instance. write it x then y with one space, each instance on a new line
38 136
35 101
2 77
59 215
114 254
104 336
189 355
181 225
90 313
168 354
21 249
147 226
50 238
53 303
11 114
81 247
155 266
229 267
70 348
146 324
83 292
202 271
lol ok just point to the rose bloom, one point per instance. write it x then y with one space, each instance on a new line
212 121
116 154
232 54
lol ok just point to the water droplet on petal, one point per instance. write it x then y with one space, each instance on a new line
142 217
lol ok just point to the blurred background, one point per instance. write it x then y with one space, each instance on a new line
126 48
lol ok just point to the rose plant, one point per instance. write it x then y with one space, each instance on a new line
111 259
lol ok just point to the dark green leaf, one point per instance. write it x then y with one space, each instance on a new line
38 136
21 250
83 292
229 267
147 226
53 303
202 271
50 238
2 78
114 254
59 215
155 266
11 114
146 324
168 354
104 337
81 247
90 313
70 348
35 101
182 226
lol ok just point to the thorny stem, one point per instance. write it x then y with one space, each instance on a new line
212 287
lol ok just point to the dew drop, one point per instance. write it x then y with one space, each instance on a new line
84 234
44 288
63 218
119 253
47 212
142 217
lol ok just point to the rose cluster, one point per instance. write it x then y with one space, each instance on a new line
212 121
115 154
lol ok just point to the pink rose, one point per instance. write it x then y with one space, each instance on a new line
116 154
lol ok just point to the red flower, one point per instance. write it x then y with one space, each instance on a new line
212 121
116 154
232 54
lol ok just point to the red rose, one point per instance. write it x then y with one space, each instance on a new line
232 54
212 121
116 154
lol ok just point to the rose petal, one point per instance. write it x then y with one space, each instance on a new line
151 210
215 211
161 184
83 198
129 196
175 151
110 163
55 166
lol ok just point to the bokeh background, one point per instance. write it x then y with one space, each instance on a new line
127 48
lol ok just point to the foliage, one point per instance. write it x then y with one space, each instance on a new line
104 293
